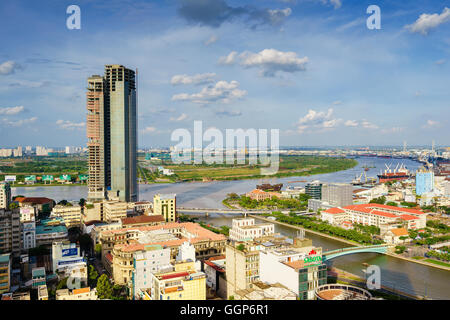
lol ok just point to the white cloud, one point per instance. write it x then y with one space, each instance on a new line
221 91
200 78
336 3
318 120
9 111
69 125
229 59
211 40
9 67
278 16
18 123
441 61
426 22
268 61
338 102
351 123
182 117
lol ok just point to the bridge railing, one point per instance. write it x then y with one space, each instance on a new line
355 248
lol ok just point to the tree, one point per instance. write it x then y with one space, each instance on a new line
241 247
13 205
62 284
392 203
93 276
98 249
82 202
380 200
104 287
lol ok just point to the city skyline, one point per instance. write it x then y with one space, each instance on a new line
334 83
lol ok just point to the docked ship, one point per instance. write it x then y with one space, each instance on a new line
398 174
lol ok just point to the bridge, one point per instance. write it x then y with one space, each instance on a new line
231 211
328 255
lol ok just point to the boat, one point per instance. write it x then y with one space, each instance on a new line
398 174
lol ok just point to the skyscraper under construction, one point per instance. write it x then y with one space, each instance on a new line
112 135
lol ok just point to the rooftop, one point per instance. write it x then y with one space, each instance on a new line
142 219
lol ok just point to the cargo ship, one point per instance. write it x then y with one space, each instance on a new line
398 174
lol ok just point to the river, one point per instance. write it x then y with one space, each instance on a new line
396 273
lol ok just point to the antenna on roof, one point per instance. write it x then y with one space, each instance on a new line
301 234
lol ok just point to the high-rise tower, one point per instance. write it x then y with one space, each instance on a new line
112 134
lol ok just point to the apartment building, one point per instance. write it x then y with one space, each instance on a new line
115 210
10 232
183 282
153 259
71 215
5 272
119 245
165 205
5 195
242 266
50 230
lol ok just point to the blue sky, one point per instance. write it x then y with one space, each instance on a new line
310 68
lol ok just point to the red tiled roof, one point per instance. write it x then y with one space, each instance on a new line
174 275
399 232
334 210
34 200
366 207
142 219
408 217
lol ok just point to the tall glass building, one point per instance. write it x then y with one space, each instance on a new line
112 135
424 181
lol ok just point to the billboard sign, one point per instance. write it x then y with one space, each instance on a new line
83 177
70 252
10 178
30 178
47 178
312 259
65 177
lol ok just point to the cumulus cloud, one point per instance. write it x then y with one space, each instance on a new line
228 113
18 123
318 120
213 13
182 117
268 61
195 79
9 111
221 91
9 67
69 125
229 59
211 40
426 22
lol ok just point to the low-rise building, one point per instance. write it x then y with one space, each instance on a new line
183 282
395 236
38 277
260 195
264 291
165 205
42 292
245 229
115 210
77 294
42 204
16 296
142 221
68 262
50 230
374 214
71 215
214 269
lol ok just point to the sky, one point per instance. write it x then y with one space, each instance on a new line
310 68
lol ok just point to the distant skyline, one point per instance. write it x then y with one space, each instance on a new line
310 68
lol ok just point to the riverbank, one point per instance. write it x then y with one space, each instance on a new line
428 264
425 263
48 185
352 243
